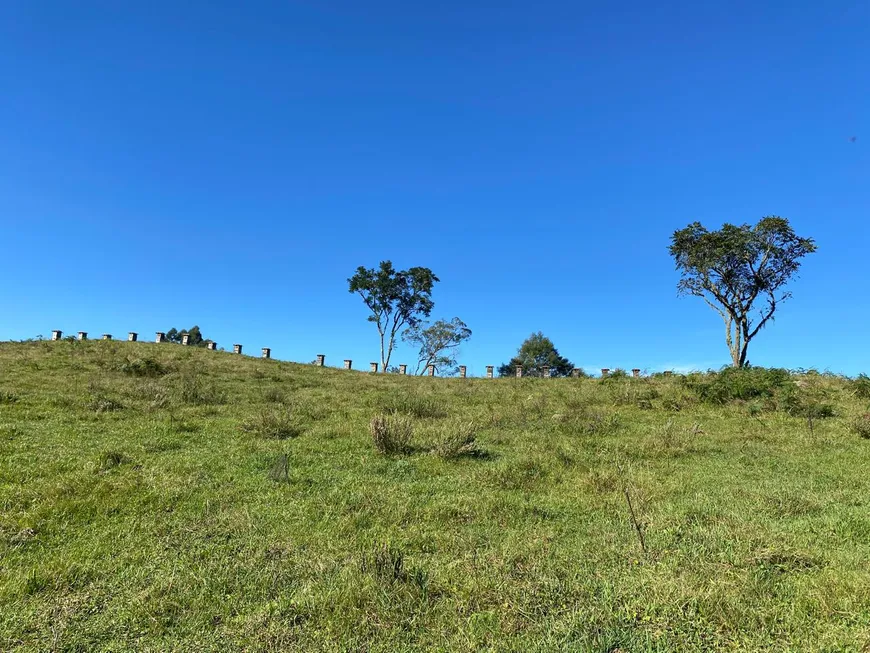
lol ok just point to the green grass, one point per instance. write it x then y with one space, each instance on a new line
160 498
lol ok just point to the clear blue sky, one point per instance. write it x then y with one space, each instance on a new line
230 164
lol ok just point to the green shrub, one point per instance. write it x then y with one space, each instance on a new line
861 386
733 383
274 396
596 423
457 439
861 425
805 403
275 424
615 376
417 406
198 392
143 367
391 433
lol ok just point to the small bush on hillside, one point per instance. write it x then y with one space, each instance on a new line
584 422
861 386
143 367
391 433
732 383
808 402
274 396
671 404
275 424
198 392
861 425
414 405
456 440
615 376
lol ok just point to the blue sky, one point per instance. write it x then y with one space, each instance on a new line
231 164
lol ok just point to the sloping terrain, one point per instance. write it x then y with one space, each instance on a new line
166 498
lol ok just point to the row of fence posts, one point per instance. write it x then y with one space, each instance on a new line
320 361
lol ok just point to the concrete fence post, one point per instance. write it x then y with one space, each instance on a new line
489 371
237 349
348 363
267 353
211 345
107 336
430 370
56 335
373 367
519 371
575 372
132 336
635 372
160 337
83 335
462 370
545 371
185 339
403 369
321 360
605 371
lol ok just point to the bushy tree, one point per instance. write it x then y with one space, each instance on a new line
740 272
437 343
397 300
537 351
195 336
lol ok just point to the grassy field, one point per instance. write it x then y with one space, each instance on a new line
164 498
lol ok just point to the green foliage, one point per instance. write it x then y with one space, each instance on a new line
396 299
456 439
7 397
437 343
391 433
145 366
861 425
273 423
194 334
537 351
415 405
736 267
861 386
198 391
732 384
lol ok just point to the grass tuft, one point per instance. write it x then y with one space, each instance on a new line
278 424
391 433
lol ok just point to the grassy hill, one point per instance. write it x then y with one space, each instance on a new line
164 498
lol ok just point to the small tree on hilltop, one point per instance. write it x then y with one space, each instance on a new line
537 351
194 339
737 266
396 299
438 343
